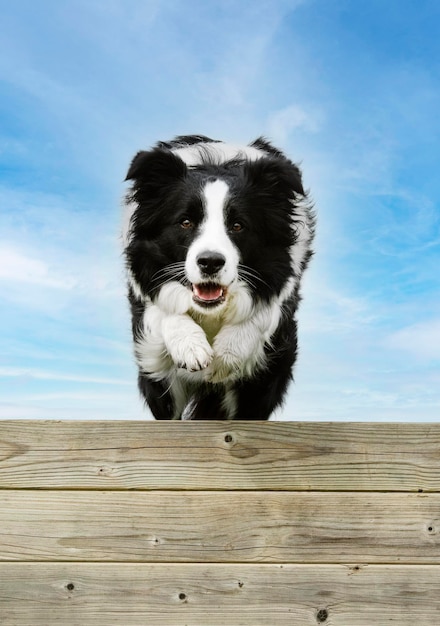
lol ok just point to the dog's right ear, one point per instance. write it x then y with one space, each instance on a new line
136 165
156 166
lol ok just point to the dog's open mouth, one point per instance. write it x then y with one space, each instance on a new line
208 294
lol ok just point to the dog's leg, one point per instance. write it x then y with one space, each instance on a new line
239 349
186 343
168 341
158 397
259 396
181 337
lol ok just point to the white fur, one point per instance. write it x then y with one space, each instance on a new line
176 348
126 235
135 285
302 244
175 345
186 343
239 348
217 152
127 215
229 402
174 298
150 349
213 237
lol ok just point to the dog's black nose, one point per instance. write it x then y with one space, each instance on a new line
210 262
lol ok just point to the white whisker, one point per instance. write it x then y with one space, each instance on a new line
173 271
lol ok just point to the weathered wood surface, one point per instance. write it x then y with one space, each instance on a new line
216 523
220 455
267 527
83 594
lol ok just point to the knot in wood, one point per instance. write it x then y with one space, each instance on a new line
240 451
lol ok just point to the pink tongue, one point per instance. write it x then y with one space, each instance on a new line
208 292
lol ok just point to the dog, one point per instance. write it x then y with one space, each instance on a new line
216 238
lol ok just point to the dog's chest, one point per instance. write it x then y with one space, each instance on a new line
211 324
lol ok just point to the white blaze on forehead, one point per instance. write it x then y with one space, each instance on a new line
213 236
215 196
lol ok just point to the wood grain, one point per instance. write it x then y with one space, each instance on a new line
218 455
270 527
81 594
216 523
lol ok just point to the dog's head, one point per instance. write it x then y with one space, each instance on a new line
212 219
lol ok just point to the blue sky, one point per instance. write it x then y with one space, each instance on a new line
349 89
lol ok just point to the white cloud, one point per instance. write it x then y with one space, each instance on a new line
74 406
54 245
330 308
38 374
293 118
421 340
18 267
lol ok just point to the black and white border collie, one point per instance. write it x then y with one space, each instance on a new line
216 238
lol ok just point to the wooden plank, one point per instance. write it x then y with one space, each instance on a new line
197 595
216 455
273 527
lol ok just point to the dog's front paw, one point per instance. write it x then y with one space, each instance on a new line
238 351
223 368
193 355
186 343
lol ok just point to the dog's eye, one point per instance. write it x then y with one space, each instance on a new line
236 227
186 224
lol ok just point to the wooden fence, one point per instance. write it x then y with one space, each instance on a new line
217 523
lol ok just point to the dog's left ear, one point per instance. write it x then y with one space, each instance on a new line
292 175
